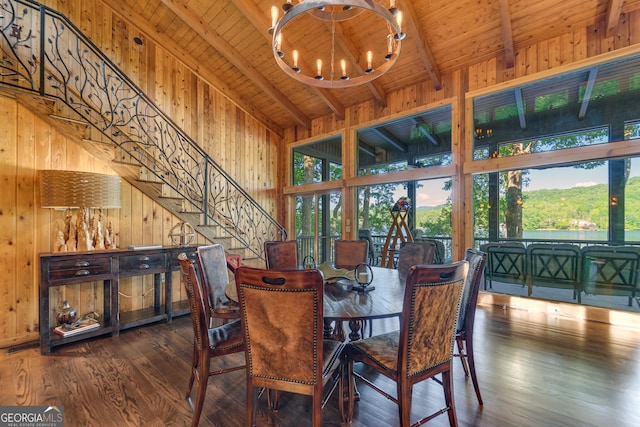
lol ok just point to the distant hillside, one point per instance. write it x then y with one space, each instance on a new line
559 209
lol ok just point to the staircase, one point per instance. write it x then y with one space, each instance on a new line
57 72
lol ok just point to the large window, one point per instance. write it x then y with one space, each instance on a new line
585 107
318 161
429 217
318 225
418 141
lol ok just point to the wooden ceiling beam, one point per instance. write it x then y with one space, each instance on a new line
507 33
614 9
257 18
414 29
210 35
161 39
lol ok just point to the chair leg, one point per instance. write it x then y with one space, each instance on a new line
202 379
404 403
462 354
317 409
350 389
447 383
194 366
252 403
472 369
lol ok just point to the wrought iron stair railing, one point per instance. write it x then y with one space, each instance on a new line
44 53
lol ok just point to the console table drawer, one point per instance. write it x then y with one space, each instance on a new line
79 268
175 253
143 262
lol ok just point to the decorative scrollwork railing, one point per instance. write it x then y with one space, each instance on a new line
43 52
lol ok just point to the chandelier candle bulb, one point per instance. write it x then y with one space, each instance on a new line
295 61
399 35
369 69
343 65
279 46
319 66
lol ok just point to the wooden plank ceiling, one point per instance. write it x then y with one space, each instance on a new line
229 41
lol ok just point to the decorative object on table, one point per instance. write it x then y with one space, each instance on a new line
89 193
182 234
66 315
398 232
308 262
325 21
332 274
363 278
86 323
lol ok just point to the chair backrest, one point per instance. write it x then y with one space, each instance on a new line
412 253
349 253
428 322
477 260
365 234
198 303
553 264
282 318
610 269
212 265
281 254
506 262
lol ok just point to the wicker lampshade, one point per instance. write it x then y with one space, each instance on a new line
73 189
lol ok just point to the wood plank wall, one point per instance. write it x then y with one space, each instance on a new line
238 142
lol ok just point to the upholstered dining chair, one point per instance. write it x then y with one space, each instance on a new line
281 254
349 253
207 342
423 347
214 276
282 319
466 317
412 253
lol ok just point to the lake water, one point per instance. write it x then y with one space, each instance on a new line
575 235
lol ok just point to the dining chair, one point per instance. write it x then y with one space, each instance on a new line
349 253
422 348
374 252
281 254
466 317
412 253
214 276
208 342
282 319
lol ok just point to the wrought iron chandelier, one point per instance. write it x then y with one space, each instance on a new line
315 17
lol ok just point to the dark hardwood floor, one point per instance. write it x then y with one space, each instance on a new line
534 370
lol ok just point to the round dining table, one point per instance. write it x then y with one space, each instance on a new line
343 304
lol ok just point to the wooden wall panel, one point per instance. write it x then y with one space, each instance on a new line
8 227
27 145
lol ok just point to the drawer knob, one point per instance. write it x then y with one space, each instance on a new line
82 273
82 264
143 258
143 266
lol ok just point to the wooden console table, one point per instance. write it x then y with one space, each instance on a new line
61 269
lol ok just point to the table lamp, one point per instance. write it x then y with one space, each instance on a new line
84 191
